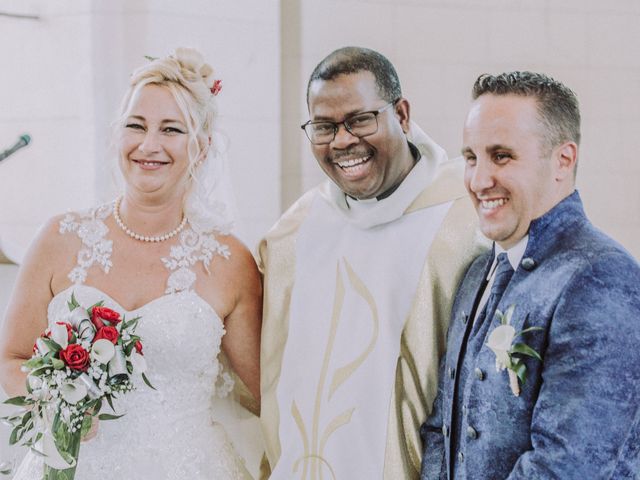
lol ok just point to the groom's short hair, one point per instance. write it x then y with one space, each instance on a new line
557 104
349 60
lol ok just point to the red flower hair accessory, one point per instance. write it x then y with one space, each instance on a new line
217 86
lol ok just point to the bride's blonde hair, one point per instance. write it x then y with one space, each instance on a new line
191 82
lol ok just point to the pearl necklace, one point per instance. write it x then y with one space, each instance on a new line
145 238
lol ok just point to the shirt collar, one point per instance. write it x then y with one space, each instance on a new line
514 254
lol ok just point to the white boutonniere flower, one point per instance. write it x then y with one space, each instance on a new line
501 342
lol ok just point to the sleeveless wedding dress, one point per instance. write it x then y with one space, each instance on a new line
168 433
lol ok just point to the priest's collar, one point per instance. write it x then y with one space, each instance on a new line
378 211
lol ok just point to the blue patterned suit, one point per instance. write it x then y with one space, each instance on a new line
578 414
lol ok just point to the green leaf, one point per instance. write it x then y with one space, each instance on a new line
110 402
57 364
86 425
525 349
40 371
129 347
26 418
11 420
13 438
130 323
73 303
34 362
146 380
19 401
107 416
18 432
521 371
527 330
51 344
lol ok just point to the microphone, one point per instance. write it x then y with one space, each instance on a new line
23 141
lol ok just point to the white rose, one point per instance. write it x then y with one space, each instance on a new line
500 341
103 351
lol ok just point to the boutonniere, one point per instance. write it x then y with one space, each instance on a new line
501 341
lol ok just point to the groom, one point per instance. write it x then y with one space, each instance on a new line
541 378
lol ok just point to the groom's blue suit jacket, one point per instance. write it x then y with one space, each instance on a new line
578 414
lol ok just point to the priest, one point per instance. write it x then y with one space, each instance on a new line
359 276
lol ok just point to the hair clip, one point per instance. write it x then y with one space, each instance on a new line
150 58
217 86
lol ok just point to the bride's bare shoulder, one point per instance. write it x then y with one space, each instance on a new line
240 266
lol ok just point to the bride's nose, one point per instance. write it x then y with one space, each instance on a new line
150 143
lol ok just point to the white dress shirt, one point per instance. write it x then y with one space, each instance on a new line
514 254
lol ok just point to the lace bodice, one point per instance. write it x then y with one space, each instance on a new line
171 432
96 249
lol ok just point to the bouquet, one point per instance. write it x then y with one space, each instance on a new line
84 359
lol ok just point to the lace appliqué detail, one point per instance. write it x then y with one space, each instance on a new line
193 247
224 384
90 227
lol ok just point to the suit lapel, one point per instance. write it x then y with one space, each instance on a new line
467 310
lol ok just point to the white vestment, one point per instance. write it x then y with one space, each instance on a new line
357 272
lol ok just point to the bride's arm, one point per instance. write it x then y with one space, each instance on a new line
241 342
26 314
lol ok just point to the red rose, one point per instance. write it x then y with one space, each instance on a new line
69 330
98 314
108 333
138 346
75 357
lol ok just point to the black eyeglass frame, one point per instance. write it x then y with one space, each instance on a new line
345 122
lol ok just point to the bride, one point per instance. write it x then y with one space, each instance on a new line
161 251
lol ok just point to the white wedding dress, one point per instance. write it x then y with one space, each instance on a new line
168 433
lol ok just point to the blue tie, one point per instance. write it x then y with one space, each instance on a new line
503 274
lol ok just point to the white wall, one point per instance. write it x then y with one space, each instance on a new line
439 47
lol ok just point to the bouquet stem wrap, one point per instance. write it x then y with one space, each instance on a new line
68 445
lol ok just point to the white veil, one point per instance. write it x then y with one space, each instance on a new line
210 205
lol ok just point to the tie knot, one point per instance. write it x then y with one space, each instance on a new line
503 274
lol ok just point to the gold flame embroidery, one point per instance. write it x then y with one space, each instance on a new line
313 458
